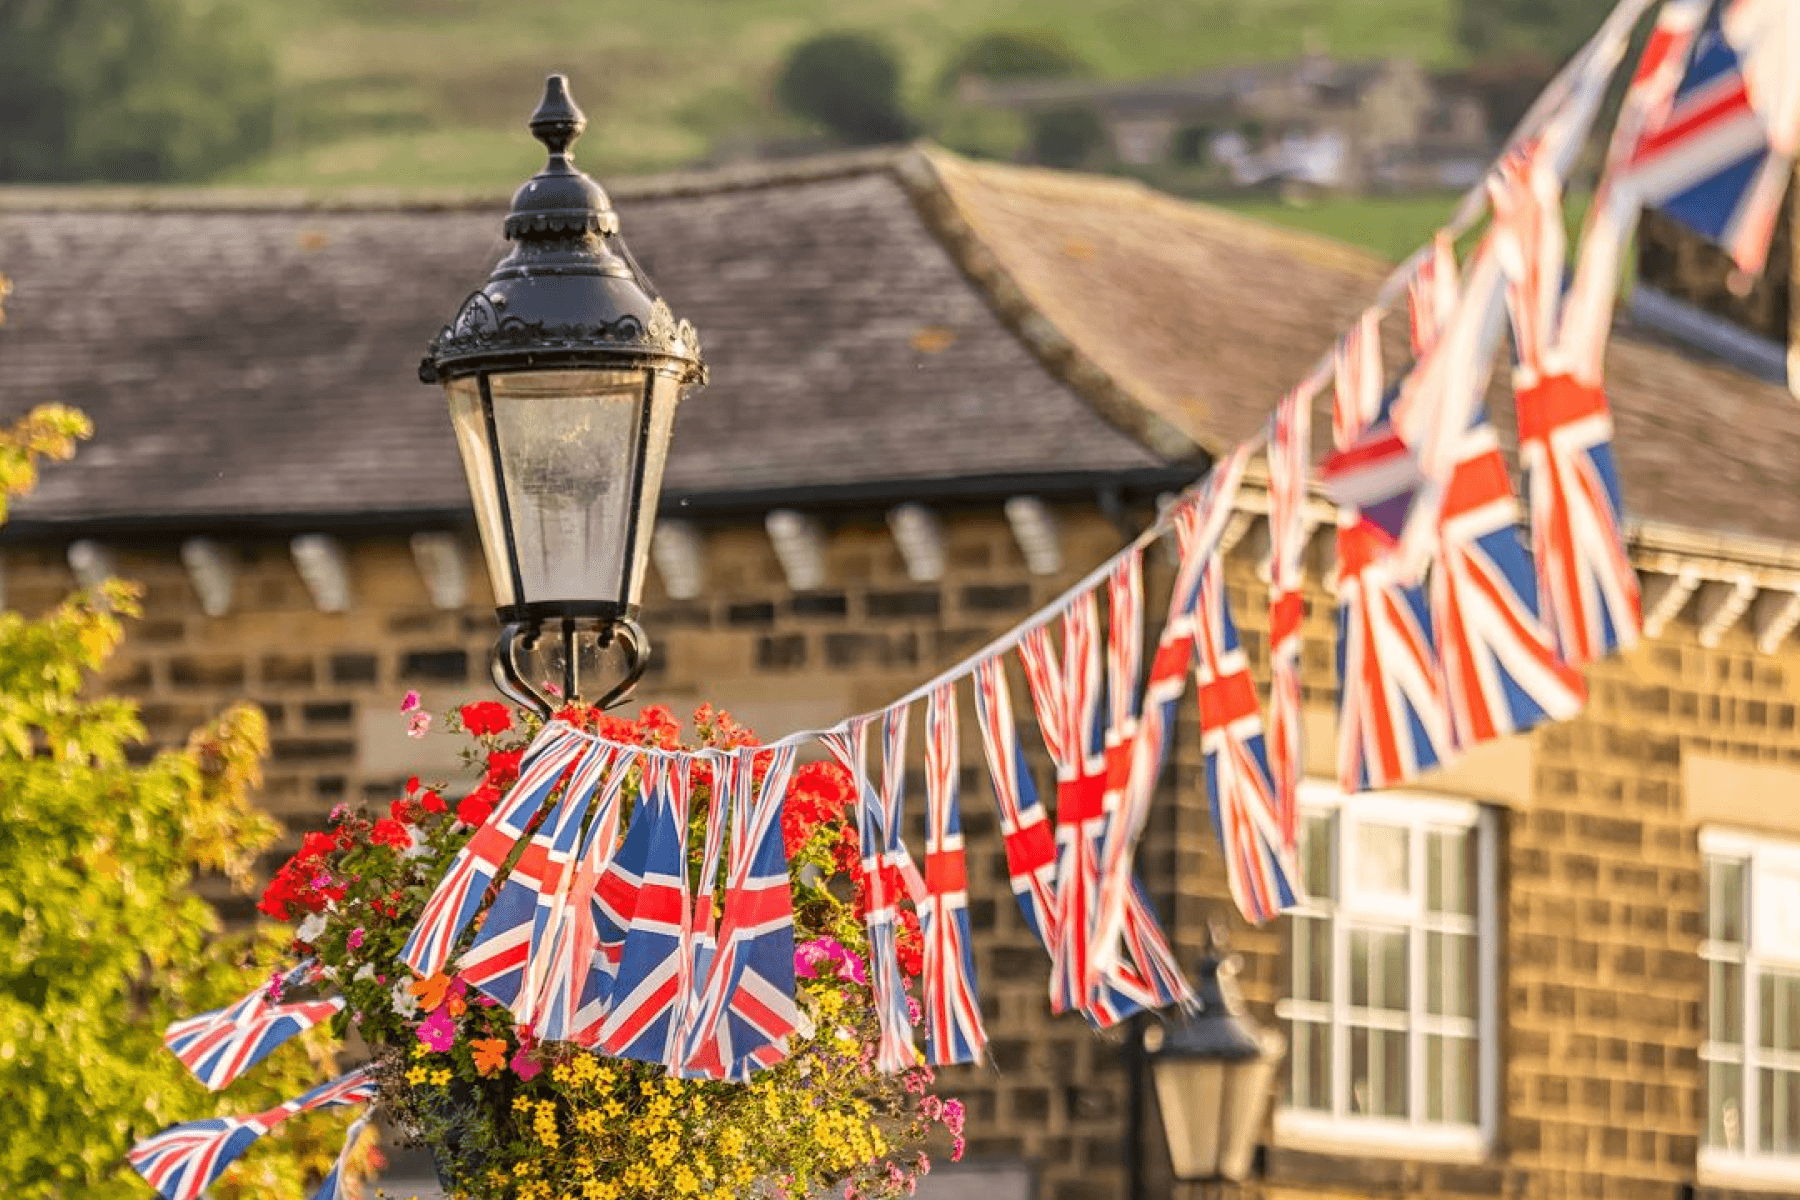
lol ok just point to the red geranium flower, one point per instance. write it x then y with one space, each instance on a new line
478 805
486 717
389 832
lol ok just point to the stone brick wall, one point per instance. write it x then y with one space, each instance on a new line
1601 990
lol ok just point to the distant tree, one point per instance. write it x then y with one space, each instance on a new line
1003 54
1067 136
130 90
850 84
1542 29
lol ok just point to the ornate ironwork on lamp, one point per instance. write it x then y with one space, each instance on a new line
1213 1077
563 374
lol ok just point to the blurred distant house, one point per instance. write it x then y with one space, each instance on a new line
1315 121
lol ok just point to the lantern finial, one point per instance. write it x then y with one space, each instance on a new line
557 121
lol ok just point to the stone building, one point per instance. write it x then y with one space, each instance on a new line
1566 966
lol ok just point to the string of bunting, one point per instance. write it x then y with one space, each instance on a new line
1450 632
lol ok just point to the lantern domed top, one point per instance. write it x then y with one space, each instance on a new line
569 294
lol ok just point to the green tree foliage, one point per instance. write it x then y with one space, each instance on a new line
1067 136
1004 54
1527 29
130 90
102 939
850 84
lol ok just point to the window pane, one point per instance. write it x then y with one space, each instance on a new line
1315 856
1383 867
1725 1003
1450 1080
1312 959
1724 1088
1450 974
1725 900
1312 1066
1378 1078
1450 872
1766 1099
1780 1017
1787 1113
1378 969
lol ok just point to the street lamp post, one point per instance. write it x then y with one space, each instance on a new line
563 374
1214 1076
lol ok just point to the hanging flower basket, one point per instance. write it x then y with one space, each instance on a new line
506 1114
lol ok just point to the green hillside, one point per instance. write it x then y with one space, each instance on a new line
433 92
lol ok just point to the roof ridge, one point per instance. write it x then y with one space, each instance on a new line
689 182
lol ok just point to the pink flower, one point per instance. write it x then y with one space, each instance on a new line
438 1032
953 1117
809 957
956 1150
524 1066
409 702
419 725
355 940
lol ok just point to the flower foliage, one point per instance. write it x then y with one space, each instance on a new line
508 1116
103 941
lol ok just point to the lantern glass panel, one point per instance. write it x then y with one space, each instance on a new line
665 395
484 488
567 444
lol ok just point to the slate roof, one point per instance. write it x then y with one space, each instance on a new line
875 323
253 358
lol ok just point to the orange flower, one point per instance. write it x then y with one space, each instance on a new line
457 1005
490 1054
430 991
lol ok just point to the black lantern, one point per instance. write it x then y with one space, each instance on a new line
1213 1078
563 375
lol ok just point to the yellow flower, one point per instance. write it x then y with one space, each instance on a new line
441 1076
416 1076
685 1181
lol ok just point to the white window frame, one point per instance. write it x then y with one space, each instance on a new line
1761 857
1413 1137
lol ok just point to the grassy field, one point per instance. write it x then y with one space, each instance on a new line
433 92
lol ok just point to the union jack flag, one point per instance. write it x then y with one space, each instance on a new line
1433 293
221 1045
746 1010
1356 362
183 1161
1290 436
953 1030
509 954
332 1186
1260 863
1587 590
726 777
654 981
1392 723
1501 673
1587 314
1719 159
1030 847
1068 698
574 987
1199 524
878 830
613 901
459 894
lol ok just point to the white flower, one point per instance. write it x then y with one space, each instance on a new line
366 971
405 1003
418 848
805 1027
311 928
